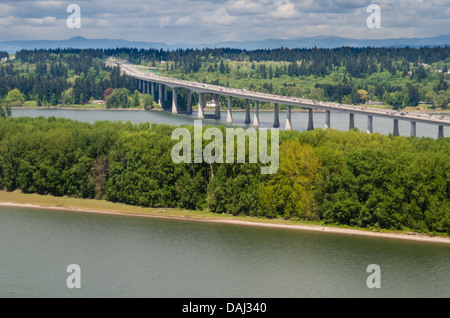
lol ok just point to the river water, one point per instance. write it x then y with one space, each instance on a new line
339 121
122 256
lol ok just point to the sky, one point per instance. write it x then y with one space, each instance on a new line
202 21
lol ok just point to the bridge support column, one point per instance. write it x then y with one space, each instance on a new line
229 114
413 129
217 111
174 101
200 106
352 121
288 118
310 119
441 131
141 85
256 114
189 102
153 90
147 88
327 119
160 95
396 131
276 119
165 93
247 112
370 124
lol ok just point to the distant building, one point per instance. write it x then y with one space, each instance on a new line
211 103
98 102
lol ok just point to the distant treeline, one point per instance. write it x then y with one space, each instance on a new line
347 178
398 77
67 77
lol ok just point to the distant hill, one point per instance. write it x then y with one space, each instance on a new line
300 42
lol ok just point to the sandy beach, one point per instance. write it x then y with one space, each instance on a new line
313 228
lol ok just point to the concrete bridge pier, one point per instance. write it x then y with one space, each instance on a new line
370 124
288 118
247 112
147 88
165 93
153 90
160 95
217 110
413 129
276 119
174 101
327 119
441 131
256 114
200 115
310 119
229 114
352 121
189 102
140 85
396 130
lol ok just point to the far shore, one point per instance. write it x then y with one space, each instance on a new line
18 199
409 109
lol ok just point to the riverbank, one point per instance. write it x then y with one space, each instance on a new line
18 199
415 110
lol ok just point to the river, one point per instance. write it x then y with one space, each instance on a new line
122 256
339 121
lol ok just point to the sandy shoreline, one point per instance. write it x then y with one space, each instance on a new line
311 228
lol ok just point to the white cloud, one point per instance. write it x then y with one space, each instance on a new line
206 21
45 21
285 10
164 21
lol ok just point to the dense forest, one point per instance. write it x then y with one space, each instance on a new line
396 77
346 178
60 78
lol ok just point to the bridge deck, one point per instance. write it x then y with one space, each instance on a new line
291 101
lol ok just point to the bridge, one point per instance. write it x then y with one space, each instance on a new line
149 83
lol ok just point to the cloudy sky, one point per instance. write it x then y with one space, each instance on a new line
211 21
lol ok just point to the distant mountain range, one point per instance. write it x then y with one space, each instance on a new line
301 42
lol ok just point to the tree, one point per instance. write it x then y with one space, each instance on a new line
5 109
15 97
107 92
137 99
147 101
354 96
363 95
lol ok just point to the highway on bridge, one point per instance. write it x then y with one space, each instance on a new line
440 121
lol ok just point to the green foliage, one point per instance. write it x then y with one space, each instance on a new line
15 97
346 178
